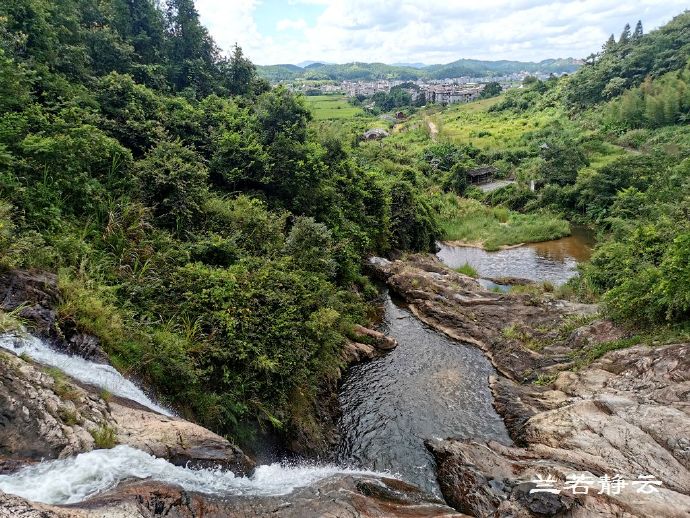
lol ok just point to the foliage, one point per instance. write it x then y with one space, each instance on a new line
470 221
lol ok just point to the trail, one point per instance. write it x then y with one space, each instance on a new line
433 130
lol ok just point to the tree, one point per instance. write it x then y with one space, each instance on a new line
174 181
639 32
310 244
625 35
492 89
240 73
192 53
610 44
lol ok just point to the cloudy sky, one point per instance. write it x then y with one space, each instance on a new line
428 31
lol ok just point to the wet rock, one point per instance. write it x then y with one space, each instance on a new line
37 295
336 497
181 442
627 414
33 291
46 417
380 340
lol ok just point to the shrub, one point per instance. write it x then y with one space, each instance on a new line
174 182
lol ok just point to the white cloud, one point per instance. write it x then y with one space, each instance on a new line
294 25
432 31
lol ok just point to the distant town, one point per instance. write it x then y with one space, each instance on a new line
436 91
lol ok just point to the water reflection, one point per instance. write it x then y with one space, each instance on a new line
430 386
555 261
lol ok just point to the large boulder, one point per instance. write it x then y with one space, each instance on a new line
627 414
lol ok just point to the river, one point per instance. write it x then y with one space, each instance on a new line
429 386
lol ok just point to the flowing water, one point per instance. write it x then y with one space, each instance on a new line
96 374
554 261
428 387
78 478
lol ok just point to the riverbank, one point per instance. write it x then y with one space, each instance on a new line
472 223
625 414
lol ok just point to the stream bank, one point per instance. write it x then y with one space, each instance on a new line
625 414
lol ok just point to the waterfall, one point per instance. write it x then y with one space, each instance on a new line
84 371
73 480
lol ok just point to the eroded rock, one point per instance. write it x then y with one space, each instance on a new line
335 497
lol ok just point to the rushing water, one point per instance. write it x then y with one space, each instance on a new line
78 478
428 387
554 261
84 371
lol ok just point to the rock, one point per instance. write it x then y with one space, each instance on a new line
37 294
179 441
36 291
380 340
627 414
335 497
458 306
44 418
355 352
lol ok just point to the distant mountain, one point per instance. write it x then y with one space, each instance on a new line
316 70
305 64
410 65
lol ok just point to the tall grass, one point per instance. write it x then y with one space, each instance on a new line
470 221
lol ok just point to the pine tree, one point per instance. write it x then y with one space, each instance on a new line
625 35
639 32
610 44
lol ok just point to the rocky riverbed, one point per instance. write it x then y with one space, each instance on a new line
625 415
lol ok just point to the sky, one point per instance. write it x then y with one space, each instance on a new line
424 31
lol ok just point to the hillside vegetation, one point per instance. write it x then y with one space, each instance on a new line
201 231
374 71
607 147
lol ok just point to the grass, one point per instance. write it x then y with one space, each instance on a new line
467 269
62 387
104 437
473 123
331 107
491 228
11 321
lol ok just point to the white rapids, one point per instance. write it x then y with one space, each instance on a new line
73 480
84 371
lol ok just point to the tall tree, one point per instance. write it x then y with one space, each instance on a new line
141 23
193 54
610 44
639 31
625 35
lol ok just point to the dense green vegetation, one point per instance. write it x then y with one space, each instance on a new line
202 231
209 230
607 147
374 71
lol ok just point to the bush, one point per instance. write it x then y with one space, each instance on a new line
174 182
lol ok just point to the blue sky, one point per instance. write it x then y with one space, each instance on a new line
429 31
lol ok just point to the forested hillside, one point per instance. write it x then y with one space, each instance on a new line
375 71
201 231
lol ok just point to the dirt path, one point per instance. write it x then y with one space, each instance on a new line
433 130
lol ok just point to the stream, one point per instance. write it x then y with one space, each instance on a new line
428 387
98 375
554 261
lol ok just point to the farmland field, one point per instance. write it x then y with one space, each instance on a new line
325 107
